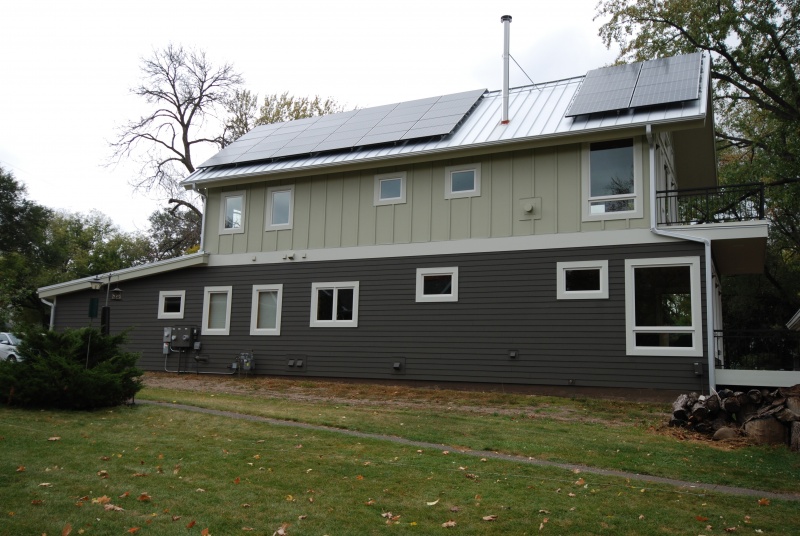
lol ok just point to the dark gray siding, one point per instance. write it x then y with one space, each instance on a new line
507 301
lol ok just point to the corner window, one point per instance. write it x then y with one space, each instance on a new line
216 310
582 280
462 181
232 213
170 304
334 304
662 306
265 313
437 284
280 207
390 188
612 180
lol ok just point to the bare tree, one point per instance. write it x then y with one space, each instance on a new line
186 91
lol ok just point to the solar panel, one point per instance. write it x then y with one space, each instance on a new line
381 124
606 89
668 80
660 81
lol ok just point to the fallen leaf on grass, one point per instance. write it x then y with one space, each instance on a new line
246 505
102 473
112 508
143 497
205 532
54 438
572 495
489 518
763 502
37 502
701 518
282 531
455 509
433 502
124 495
580 482
237 480
133 530
105 458
248 529
542 524
101 500
449 524
370 502
45 485
730 529
191 524
641 516
175 518
21 469
66 530
139 474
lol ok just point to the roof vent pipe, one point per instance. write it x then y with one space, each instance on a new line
506 20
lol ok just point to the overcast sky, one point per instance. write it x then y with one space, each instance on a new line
68 66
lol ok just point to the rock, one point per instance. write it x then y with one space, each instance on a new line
724 433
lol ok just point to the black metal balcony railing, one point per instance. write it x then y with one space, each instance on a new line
735 202
758 349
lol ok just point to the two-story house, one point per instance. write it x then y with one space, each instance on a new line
563 233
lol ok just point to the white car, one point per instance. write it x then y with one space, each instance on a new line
8 347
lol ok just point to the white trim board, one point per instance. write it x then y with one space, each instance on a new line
753 378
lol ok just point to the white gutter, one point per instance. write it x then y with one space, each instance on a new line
52 306
712 376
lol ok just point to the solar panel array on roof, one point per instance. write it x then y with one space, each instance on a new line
648 83
434 116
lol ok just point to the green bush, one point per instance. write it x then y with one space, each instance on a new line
71 369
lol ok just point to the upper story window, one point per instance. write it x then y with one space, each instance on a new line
462 181
612 180
170 303
334 304
437 284
232 213
280 207
390 188
582 280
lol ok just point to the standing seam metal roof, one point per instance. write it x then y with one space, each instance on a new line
536 111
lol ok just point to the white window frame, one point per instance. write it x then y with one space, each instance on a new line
586 185
223 209
451 271
336 286
378 200
696 350
270 192
561 283
162 295
207 291
257 289
448 181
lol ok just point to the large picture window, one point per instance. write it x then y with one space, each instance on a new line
170 304
280 207
662 309
265 313
437 284
334 304
232 213
612 180
216 310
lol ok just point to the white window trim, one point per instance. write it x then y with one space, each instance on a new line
696 328
451 271
207 291
378 201
636 196
171 294
563 294
448 181
268 218
314 323
222 209
257 289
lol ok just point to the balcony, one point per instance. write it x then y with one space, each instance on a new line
755 358
720 204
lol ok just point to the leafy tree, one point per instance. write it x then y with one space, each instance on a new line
186 91
755 51
71 369
22 221
174 232
244 114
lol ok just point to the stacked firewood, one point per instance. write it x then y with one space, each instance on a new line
767 417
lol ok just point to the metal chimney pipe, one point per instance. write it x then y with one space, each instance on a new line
506 20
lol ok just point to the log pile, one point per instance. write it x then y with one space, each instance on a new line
767 417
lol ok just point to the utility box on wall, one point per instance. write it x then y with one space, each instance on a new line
183 336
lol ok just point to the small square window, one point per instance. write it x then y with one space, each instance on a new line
334 304
265 313
170 304
280 207
582 280
216 310
232 213
437 284
390 188
462 181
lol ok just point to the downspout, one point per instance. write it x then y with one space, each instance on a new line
52 306
203 219
712 376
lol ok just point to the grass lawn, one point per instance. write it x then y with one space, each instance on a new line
176 472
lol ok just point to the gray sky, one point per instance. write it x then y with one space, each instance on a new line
68 66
